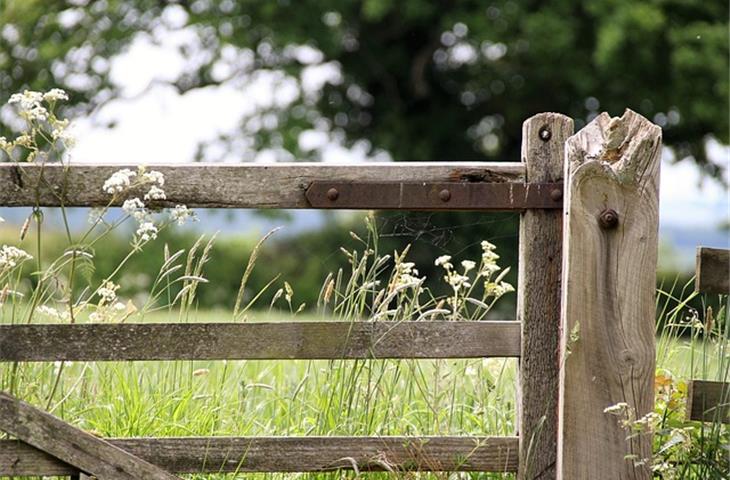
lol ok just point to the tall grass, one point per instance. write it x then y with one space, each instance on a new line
340 397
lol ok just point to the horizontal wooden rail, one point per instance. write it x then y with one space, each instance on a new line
202 185
708 401
288 454
712 270
264 341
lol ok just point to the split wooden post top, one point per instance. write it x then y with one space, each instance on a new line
609 275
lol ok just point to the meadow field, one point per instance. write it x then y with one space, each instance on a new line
350 397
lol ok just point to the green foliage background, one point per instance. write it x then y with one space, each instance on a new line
666 59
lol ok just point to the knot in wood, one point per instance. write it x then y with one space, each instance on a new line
608 219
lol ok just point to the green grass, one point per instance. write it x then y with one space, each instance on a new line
287 397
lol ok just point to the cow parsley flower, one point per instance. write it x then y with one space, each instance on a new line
27 100
468 265
11 257
406 274
53 313
444 261
181 213
147 231
119 181
108 292
155 193
54 95
618 408
153 176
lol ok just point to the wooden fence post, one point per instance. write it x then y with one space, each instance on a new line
609 275
538 299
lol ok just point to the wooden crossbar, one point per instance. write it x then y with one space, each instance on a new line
69 444
285 340
288 454
708 401
713 270
217 185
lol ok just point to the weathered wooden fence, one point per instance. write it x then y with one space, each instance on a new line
710 400
588 239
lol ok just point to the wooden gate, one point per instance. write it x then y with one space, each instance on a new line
598 187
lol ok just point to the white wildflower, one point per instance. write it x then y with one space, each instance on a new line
146 231
11 257
617 408
497 289
155 193
488 246
52 312
457 281
24 140
152 176
119 181
4 144
54 95
181 213
468 265
27 100
37 113
131 205
136 208
108 293
406 274
443 261
648 423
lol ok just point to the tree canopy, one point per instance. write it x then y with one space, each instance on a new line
419 79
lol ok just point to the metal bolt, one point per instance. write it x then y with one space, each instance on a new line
608 219
556 194
332 194
445 195
545 134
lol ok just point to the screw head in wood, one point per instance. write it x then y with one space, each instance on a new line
545 134
608 219
445 195
556 194
332 194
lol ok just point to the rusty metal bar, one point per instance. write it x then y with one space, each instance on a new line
435 196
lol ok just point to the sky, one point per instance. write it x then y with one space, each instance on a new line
151 122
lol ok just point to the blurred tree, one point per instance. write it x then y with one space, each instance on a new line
420 79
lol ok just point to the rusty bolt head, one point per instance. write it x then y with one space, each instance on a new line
545 134
608 219
556 194
332 194
445 195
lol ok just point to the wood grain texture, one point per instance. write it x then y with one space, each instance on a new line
289 454
229 186
71 445
538 299
712 271
264 341
608 296
708 401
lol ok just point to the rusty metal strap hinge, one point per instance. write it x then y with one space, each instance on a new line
435 196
